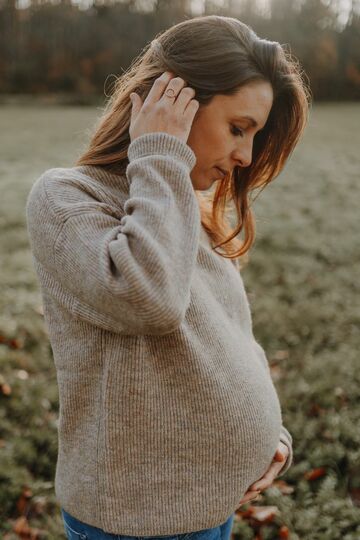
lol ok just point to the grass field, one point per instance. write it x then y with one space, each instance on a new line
303 287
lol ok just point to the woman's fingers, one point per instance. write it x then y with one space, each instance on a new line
276 465
160 112
279 456
177 84
184 99
136 105
157 90
268 478
250 496
265 481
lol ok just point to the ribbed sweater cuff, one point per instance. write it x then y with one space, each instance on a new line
161 143
286 438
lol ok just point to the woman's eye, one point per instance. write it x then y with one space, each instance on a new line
237 131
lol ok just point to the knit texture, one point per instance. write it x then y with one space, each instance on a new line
167 410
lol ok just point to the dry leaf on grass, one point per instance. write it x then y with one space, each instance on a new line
315 473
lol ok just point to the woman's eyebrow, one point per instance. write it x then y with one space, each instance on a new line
252 121
250 118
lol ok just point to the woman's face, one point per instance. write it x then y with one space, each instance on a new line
222 136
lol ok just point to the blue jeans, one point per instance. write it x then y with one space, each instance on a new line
77 530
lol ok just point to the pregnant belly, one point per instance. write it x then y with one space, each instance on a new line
206 416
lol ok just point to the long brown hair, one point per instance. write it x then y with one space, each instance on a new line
214 55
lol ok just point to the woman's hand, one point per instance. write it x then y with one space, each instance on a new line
265 481
173 114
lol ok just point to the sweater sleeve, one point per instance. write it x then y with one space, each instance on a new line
129 274
285 436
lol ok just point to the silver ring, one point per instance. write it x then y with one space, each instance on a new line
172 93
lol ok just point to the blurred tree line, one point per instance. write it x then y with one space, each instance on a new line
72 48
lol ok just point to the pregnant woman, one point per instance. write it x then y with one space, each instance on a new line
168 418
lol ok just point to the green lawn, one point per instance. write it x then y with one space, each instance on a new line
303 286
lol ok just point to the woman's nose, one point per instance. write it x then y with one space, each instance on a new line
243 155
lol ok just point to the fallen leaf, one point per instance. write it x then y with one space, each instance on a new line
23 501
15 343
22 374
316 410
39 309
315 473
281 354
284 532
264 514
6 389
276 372
283 487
39 505
22 528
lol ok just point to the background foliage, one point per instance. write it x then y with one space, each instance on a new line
71 48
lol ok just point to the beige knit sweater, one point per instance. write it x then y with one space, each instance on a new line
167 409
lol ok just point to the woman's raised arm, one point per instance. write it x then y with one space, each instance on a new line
131 274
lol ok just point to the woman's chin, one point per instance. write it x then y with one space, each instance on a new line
203 186
203 182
